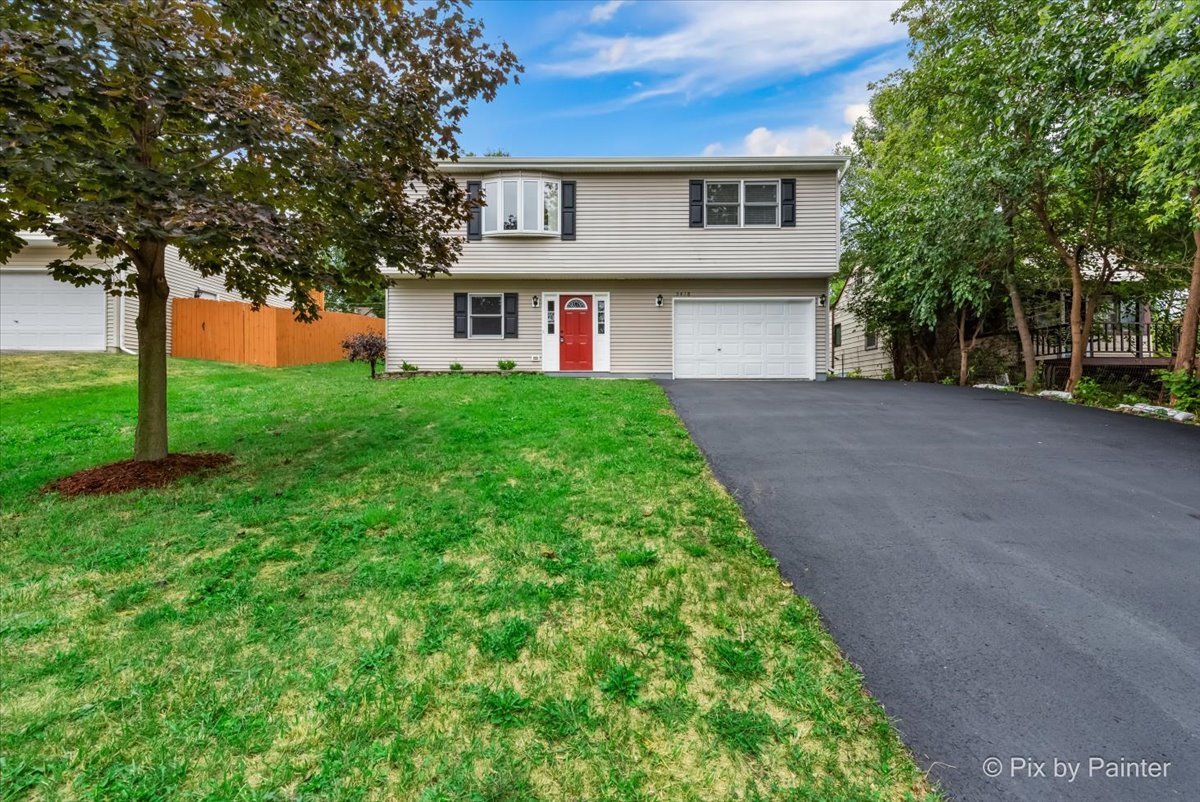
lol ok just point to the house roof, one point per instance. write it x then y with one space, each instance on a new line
647 164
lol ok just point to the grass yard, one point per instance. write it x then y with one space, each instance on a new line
444 588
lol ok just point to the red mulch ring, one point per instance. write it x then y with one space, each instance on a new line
120 477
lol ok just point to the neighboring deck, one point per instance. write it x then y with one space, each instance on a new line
1111 344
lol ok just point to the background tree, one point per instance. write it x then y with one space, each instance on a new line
928 228
1035 86
255 137
1165 54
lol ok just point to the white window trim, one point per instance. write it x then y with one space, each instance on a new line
471 335
498 197
741 204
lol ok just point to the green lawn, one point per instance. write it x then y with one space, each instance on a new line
438 588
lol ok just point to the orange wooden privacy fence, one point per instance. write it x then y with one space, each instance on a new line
231 331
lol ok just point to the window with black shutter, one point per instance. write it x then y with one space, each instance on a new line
510 315
568 210
787 203
475 223
696 204
460 315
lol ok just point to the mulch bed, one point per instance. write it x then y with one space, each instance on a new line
120 477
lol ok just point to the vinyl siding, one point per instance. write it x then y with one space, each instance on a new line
853 355
420 324
637 225
181 278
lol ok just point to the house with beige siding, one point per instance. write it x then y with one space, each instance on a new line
714 267
854 349
38 313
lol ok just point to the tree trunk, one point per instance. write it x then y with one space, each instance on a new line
1185 360
964 347
963 353
1027 354
1078 335
150 439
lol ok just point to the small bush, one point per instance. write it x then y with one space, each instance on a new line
455 367
506 365
1089 392
408 367
365 347
1184 389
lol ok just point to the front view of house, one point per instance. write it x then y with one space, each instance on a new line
691 267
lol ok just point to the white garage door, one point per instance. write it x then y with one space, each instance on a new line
745 339
38 313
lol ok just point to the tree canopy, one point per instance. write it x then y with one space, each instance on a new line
258 138
1029 147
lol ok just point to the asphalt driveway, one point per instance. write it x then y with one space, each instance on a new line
1017 578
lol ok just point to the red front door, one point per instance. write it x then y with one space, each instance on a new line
575 333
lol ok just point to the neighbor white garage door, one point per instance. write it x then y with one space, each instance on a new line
745 339
38 313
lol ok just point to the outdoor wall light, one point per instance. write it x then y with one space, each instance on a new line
821 301
537 301
658 301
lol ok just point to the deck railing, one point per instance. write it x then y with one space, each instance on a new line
1139 340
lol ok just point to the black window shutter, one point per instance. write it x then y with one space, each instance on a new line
787 202
568 211
460 315
696 204
475 224
510 315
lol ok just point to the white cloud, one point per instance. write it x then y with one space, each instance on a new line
718 45
852 113
810 140
603 12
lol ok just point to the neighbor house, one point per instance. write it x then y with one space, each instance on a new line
692 267
38 313
1130 333
855 350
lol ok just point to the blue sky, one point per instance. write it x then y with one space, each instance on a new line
613 77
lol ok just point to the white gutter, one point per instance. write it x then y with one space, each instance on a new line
647 164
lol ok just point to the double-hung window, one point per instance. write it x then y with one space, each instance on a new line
485 315
521 206
741 204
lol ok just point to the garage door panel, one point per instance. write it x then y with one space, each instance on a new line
39 313
745 339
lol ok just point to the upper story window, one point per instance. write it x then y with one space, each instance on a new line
741 204
521 206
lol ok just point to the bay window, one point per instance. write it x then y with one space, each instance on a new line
521 206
